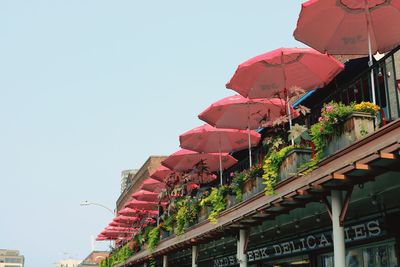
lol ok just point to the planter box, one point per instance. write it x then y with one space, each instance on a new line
230 200
356 126
293 161
203 213
252 186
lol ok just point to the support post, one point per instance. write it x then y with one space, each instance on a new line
165 261
242 247
195 254
339 249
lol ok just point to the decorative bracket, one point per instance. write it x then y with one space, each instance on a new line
345 206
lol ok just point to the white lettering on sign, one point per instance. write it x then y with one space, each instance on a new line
306 243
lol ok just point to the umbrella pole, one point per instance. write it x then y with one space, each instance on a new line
370 63
248 134
220 162
289 115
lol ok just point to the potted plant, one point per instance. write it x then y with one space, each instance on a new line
299 154
341 125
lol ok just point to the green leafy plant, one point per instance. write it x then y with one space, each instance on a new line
216 199
271 167
187 210
299 134
153 238
237 185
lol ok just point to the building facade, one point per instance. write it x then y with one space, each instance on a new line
354 190
68 263
11 258
94 258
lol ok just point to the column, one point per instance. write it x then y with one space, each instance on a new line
165 261
241 247
339 249
195 254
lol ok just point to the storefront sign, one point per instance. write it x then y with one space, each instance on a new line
357 232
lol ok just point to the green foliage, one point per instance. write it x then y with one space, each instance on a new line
332 117
153 238
117 257
187 210
237 185
299 133
216 200
271 167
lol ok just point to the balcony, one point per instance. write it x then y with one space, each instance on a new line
371 148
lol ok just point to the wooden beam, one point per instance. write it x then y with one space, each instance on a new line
338 176
385 155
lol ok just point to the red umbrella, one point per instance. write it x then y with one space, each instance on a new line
125 219
152 185
185 160
145 195
137 204
239 112
129 212
272 73
161 173
350 27
207 138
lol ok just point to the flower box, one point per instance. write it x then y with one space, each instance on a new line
204 213
294 159
355 127
230 200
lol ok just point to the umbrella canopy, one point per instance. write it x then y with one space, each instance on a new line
161 173
137 204
145 195
125 219
209 139
120 224
239 112
185 160
275 72
129 212
152 185
344 27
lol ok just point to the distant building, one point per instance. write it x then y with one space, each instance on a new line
69 263
131 180
11 258
94 259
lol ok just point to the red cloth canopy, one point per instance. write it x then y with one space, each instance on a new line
186 160
342 27
275 72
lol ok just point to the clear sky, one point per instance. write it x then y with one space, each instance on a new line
89 88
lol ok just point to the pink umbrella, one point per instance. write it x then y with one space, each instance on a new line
137 204
129 212
350 27
239 112
125 219
161 173
185 160
272 73
145 195
152 185
208 139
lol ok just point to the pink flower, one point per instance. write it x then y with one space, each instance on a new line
319 119
329 108
232 174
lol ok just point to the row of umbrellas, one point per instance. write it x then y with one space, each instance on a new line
263 84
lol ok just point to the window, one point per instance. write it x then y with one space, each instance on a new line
378 255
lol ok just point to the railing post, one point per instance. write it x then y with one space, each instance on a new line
195 254
339 249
